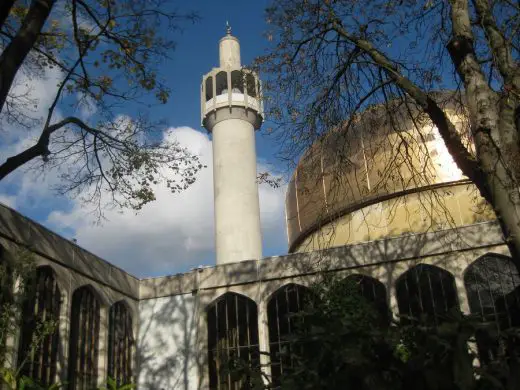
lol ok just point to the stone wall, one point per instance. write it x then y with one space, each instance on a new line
174 307
170 313
73 268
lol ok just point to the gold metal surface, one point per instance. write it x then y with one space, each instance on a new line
376 179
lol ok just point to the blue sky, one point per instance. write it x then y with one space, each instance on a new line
176 232
197 53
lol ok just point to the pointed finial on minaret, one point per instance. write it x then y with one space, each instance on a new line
228 28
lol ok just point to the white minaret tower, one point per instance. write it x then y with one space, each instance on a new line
232 110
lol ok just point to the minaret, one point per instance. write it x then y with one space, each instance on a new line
232 110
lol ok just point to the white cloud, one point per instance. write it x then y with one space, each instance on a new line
272 216
32 93
28 188
86 106
175 232
170 235
8 200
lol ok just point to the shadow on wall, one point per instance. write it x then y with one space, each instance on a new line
172 350
167 349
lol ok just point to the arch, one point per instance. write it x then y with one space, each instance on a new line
208 86
41 307
84 339
491 281
283 304
426 291
221 83
492 285
120 343
373 291
232 334
237 81
251 85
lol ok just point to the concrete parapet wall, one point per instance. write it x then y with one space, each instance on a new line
17 230
413 248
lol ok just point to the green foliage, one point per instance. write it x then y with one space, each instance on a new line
23 382
20 271
344 343
112 385
16 281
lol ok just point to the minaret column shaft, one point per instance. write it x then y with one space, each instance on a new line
237 216
232 110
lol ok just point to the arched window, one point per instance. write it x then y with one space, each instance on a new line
283 304
84 340
373 291
209 88
492 283
38 352
426 291
250 83
221 83
120 344
493 287
237 81
232 335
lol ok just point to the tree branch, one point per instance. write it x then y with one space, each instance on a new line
502 188
498 45
41 148
16 51
20 159
64 68
447 130
508 130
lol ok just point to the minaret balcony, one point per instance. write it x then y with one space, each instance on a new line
235 100
239 88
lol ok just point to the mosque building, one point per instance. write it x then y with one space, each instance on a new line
408 228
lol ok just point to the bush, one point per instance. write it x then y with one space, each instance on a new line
344 343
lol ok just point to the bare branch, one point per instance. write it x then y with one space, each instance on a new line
499 46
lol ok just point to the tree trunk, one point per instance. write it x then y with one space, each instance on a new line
507 208
16 51
500 188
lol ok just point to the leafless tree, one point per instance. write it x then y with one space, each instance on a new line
333 59
107 54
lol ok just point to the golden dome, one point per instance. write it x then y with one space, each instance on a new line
377 177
